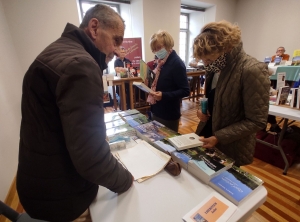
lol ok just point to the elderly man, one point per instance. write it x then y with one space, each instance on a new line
121 62
280 52
63 154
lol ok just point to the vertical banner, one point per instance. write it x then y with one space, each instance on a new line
133 47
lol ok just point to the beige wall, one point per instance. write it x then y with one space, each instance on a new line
267 25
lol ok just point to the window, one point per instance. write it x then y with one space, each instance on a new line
183 37
85 5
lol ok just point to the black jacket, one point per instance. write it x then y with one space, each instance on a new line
173 84
63 154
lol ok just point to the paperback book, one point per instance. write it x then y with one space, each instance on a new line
143 87
114 123
124 130
136 119
294 98
213 208
128 112
108 117
235 184
283 95
150 131
182 142
204 163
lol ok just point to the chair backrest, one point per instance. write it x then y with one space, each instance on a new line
14 216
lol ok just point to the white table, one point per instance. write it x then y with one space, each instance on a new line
286 113
163 198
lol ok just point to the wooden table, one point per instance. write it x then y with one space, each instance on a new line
196 84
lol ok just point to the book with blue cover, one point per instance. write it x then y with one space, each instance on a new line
150 131
203 163
235 184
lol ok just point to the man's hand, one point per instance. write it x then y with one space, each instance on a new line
157 95
209 142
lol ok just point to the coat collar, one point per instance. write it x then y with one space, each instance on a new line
78 35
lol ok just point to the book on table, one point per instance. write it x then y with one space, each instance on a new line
235 184
143 161
136 119
203 163
108 117
124 129
128 112
114 123
143 87
214 207
294 99
283 94
185 141
277 60
150 131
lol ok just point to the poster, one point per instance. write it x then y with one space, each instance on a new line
133 47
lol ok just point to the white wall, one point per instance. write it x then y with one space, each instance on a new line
10 97
163 15
267 25
34 24
26 28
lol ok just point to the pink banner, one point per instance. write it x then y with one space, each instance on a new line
133 47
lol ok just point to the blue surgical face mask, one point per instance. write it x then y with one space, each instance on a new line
161 54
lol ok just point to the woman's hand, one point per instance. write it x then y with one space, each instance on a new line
157 95
209 142
203 117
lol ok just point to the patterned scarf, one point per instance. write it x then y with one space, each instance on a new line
217 65
160 63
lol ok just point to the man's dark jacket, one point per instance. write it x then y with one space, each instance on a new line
63 154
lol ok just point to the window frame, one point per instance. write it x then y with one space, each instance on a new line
117 6
187 36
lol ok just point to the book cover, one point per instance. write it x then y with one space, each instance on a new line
136 119
108 117
149 131
295 61
282 96
277 60
146 73
164 146
293 102
125 130
185 141
204 163
235 184
143 87
213 208
114 123
128 112
167 132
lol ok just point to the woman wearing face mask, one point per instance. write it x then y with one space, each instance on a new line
170 84
237 88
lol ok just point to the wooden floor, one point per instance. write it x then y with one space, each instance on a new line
283 201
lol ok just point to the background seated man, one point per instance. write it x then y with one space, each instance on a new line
121 66
280 52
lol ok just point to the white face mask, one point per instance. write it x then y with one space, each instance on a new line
161 54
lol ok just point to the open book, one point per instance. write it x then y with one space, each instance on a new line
143 87
143 161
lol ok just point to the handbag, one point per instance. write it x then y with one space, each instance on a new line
173 168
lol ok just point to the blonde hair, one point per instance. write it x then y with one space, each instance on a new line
216 37
161 37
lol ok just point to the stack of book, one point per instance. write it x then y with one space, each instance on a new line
203 163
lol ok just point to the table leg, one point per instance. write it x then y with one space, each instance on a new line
115 99
280 148
123 96
131 95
